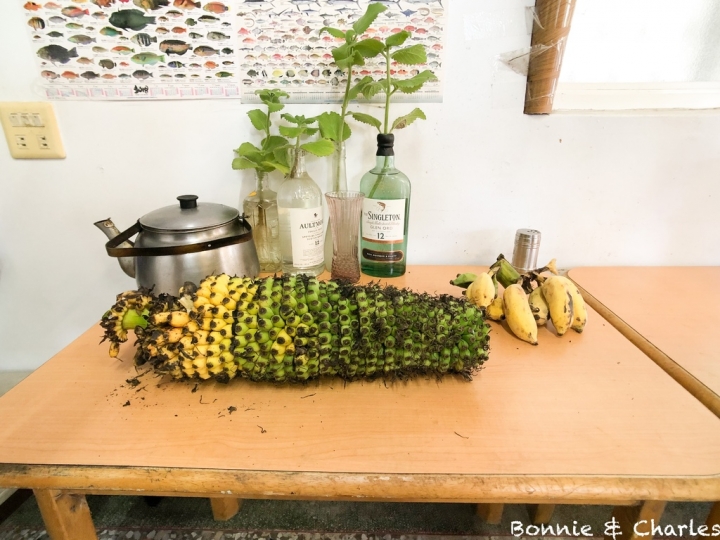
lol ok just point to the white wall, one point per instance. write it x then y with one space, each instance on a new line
604 190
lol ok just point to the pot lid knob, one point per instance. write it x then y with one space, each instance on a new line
188 201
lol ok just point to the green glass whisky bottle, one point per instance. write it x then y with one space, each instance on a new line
386 209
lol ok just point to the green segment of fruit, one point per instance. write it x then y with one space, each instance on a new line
295 328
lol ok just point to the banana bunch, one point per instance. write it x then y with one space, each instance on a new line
529 300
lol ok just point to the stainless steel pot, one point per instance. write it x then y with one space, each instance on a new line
184 242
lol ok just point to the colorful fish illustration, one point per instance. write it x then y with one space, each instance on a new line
210 64
174 14
122 49
204 50
55 34
174 46
141 74
49 75
32 6
175 64
56 20
180 75
73 26
124 75
215 7
90 75
145 58
57 53
108 76
130 19
227 50
98 49
194 35
217 36
149 5
99 15
52 5
84 61
144 40
74 12
111 32
106 63
223 74
178 30
161 30
103 3
69 75
190 22
37 23
81 39
186 4
208 19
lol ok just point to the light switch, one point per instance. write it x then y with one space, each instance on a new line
31 130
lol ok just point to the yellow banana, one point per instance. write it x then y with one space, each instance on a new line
495 311
560 302
481 292
579 310
539 306
518 314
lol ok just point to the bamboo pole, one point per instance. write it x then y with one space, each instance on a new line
549 37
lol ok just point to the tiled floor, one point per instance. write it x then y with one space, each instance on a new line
179 518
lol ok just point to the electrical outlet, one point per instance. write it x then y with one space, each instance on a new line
31 130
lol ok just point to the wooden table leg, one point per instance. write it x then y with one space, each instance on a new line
66 515
627 516
714 517
540 514
490 513
224 509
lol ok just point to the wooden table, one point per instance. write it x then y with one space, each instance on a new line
672 314
586 418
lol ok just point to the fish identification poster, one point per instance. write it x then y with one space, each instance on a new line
185 49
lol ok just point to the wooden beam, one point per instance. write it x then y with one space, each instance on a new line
490 513
629 520
550 32
540 514
66 516
224 509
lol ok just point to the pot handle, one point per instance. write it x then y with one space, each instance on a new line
114 251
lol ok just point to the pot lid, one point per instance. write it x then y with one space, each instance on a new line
188 216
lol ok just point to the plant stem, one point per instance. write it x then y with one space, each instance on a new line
293 171
341 132
388 93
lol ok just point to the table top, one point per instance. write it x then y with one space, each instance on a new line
674 308
582 405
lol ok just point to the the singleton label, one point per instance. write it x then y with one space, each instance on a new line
306 236
383 256
383 221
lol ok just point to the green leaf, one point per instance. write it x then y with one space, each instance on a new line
350 36
369 48
334 32
243 163
247 149
357 89
275 107
273 142
281 156
367 119
405 121
320 148
397 39
410 56
372 89
271 96
344 63
290 118
413 84
364 22
311 131
330 123
291 132
276 166
341 53
259 120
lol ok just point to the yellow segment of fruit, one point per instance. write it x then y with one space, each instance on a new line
518 314
481 292
496 311
539 306
579 309
560 303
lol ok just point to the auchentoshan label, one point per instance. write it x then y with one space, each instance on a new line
383 221
306 235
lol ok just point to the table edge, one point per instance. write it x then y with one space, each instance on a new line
581 489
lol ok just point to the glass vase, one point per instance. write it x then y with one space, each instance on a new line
261 209
344 208
338 182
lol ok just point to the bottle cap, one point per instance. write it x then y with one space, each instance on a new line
386 142
527 248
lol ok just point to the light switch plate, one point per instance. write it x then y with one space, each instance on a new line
31 130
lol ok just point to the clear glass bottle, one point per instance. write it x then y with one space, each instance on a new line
301 222
386 209
260 208
338 182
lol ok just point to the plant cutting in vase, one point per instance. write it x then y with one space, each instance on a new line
300 200
386 208
260 206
